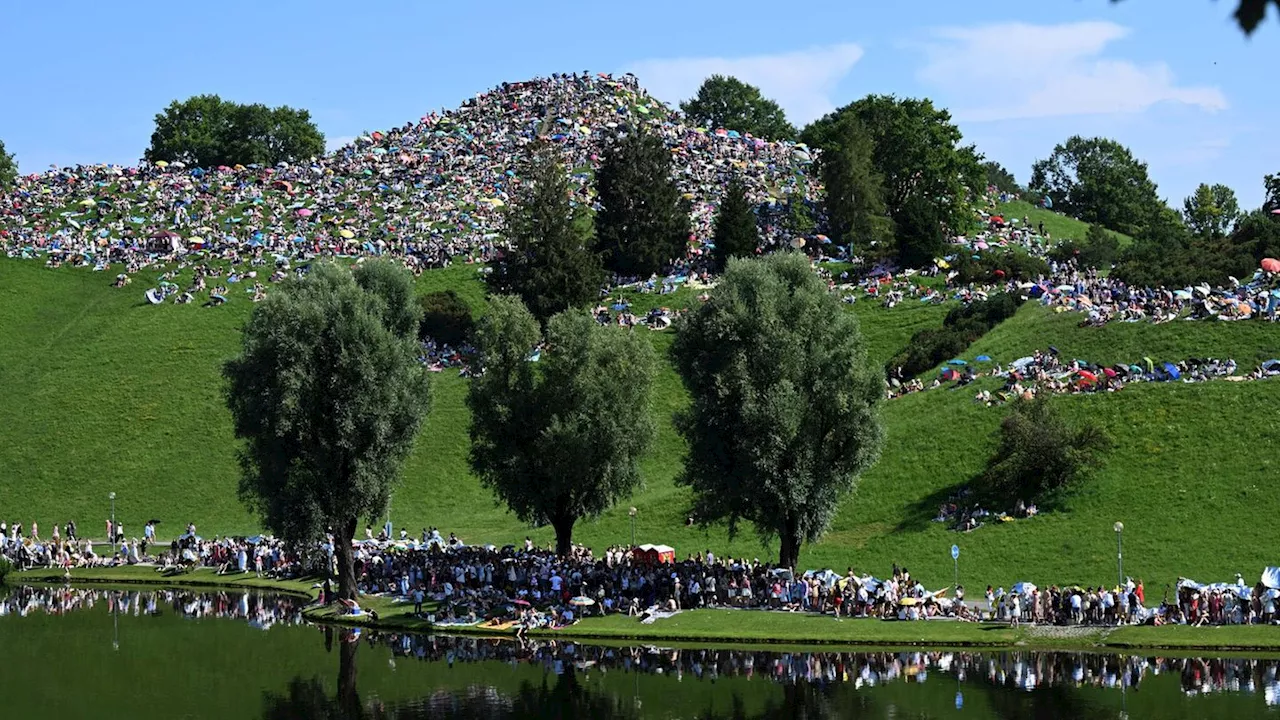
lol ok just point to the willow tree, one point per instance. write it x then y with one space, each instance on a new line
785 405
558 435
328 395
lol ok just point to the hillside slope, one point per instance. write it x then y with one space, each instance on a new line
100 393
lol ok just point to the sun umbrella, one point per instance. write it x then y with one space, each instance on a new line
1271 264
982 358
162 164
304 212
582 601
957 361
346 233
86 203
1087 376
1109 372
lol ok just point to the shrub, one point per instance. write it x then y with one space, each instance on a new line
1039 456
1013 264
1098 249
446 318
929 348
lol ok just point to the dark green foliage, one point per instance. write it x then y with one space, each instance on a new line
553 264
917 153
919 232
931 347
328 395
8 168
559 439
1272 183
856 214
205 131
1212 211
785 407
1038 456
1098 249
800 221
644 223
1099 181
727 102
1177 259
446 318
1012 263
1000 178
736 233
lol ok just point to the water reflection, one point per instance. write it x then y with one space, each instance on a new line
260 610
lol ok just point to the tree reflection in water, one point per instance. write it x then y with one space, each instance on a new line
814 686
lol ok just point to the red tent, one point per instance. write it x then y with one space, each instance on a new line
656 554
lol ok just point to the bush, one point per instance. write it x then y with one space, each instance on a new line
929 348
1039 456
1098 249
1013 264
446 318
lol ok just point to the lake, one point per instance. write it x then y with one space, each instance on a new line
105 653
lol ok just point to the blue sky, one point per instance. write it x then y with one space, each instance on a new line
1172 79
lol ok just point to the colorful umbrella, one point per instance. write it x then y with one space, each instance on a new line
1271 264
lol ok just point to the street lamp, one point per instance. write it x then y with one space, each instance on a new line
112 497
1119 552
632 513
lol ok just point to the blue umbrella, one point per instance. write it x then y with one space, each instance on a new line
1172 370
983 358
957 361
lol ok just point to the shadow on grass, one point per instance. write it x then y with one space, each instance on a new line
920 514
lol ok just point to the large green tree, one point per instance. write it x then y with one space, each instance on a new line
558 439
1039 455
552 263
856 213
328 395
1211 211
917 152
785 405
205 130
1272 183
8 168
1098 180
644 222
1000 178
726 102
735 233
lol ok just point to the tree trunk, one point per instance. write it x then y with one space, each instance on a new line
343 535
789 545
564 535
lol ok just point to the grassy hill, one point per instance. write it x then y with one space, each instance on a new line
1060 227
100 392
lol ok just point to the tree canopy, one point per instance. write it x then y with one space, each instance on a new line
446 318
727 102
552 264
8 168
558 436
1211 211
644 221
917 152
206 131
1000 178
1272 183
856 213
784 410
1098 180
1039 455
328 396
735 233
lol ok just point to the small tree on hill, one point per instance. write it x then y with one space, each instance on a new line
446 318
727 102
736 233
856 214
328 395
1000 178
1039 455
553 263
559 439
644 222
205 130
8 168
785 406
1211 211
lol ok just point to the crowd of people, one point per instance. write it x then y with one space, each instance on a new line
260 610
518 588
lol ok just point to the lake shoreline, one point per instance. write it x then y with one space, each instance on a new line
717 627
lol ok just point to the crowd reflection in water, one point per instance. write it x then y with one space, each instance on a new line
261 610
1017 670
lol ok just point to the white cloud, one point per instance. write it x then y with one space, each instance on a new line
802 81
1035 71
333 143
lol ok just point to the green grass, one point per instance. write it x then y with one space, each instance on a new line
1060 227
100 393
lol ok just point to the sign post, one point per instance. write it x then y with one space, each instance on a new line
955 559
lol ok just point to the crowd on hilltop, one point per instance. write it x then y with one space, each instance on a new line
429 192
451 583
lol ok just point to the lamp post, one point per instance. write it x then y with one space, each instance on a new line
632 513
112 497
1119 527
